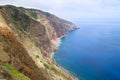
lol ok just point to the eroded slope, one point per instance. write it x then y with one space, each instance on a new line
27 39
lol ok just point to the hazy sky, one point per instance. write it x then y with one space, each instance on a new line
73 9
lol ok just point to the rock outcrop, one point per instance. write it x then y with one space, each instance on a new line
27 39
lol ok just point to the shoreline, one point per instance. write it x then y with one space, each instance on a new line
52 57
57 43
58 40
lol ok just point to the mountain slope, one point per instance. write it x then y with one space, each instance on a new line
27 39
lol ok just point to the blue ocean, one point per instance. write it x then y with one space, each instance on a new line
91 52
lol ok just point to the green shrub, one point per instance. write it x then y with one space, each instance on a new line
1 7
33 14
46 65
37 56
55 70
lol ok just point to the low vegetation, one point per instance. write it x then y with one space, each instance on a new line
37 56
46 65
16 75
32 13
28 44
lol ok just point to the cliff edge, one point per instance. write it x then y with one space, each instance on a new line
27 39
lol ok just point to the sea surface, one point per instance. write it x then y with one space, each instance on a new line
92 52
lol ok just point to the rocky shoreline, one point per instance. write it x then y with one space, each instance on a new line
58 41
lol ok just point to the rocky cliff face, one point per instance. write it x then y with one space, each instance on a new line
27 39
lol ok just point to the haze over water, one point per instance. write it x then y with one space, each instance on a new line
92 52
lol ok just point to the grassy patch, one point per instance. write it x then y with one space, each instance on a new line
14 73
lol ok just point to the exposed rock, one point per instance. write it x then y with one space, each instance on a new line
27 39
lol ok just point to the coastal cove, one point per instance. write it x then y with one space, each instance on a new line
91 52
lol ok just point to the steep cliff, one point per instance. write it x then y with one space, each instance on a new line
27 39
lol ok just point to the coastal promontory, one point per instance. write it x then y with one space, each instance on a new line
28 37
